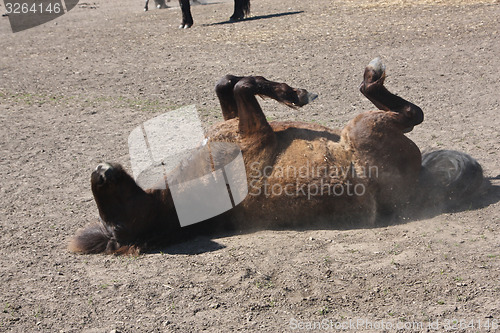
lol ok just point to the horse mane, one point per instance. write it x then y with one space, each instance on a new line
97 239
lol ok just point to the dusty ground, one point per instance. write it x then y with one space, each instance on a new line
73 89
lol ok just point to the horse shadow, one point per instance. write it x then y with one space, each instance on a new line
198 245
488 194
253 18
203 243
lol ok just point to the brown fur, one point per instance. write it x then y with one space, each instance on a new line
371 152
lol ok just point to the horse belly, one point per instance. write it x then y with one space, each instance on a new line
309 183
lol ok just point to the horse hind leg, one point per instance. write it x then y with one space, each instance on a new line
146 5
187 18
373 89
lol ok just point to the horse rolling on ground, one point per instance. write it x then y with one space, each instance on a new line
241 10
403 182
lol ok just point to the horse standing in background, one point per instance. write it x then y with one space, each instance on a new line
241 9
158 3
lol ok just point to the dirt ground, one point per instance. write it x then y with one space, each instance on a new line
72 90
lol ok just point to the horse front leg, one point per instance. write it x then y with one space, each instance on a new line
251 118
224 90
146 6
241 9
278 91
187 18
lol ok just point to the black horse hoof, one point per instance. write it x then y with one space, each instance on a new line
236 18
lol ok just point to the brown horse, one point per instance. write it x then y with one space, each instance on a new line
298 174
241 9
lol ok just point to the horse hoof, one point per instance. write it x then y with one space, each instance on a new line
304 97
235 18
373 77
311 97
145 9
377 67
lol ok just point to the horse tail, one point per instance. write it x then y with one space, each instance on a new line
97 239
448 179
246 7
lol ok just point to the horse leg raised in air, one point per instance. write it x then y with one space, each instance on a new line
297 174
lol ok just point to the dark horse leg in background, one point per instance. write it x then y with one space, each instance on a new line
187 18
241 9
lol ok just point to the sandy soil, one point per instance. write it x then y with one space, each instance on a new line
73 89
